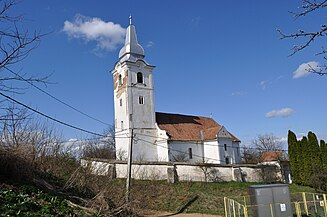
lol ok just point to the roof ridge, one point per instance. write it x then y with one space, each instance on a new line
185 115
187 127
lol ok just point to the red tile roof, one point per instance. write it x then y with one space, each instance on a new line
271 156
187 128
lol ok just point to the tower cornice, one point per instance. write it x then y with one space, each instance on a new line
131 62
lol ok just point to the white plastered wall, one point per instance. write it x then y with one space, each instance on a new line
180 149
162 145
211 152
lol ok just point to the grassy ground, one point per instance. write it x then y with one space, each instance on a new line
208 197
146 195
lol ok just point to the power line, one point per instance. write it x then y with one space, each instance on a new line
51 118
95 139
183 152
55 98
84 140
251 148
102 136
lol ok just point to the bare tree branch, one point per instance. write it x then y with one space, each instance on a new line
16 43
309 6
308 37
267 142
261 144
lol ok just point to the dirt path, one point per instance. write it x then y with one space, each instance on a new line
167 214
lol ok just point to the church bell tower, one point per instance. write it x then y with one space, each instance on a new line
134 101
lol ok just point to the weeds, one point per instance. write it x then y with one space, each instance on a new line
29 201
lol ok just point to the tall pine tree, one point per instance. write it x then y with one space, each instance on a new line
323 157
314 161
308 160
323 151
304 161
293 156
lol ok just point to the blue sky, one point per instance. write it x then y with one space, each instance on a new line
219 57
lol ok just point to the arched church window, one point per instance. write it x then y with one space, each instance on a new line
119 80
139 77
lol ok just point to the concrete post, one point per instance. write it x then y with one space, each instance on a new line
172 176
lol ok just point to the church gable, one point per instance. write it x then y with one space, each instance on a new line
223 133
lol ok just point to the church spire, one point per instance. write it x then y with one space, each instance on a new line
132 50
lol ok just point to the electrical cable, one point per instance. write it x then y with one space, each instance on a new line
95 139
102 135
55 98
51 118
170 149
251 148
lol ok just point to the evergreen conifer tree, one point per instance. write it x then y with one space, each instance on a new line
293 156
304 162
313 160
323 151
323 156
308 160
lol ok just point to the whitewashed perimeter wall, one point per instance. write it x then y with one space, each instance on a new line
185 171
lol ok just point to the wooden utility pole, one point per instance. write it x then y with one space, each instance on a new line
129 169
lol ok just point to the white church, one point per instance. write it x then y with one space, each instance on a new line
158 136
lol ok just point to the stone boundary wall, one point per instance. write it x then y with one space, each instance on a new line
184 171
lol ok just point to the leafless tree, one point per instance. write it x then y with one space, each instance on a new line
250 155
100 147
307 37
26 144
16 43
262 143
267 142
18 128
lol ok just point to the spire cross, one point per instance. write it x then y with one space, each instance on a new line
130 19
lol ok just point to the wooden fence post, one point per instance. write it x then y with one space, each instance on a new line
305 203
234 211
271 210
225 206
245 210
298 209
325 204
314 201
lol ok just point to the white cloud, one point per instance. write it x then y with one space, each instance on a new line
238 93
263 84
72 140
304 69
284 112
107 35
299 136
283 139
150 44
